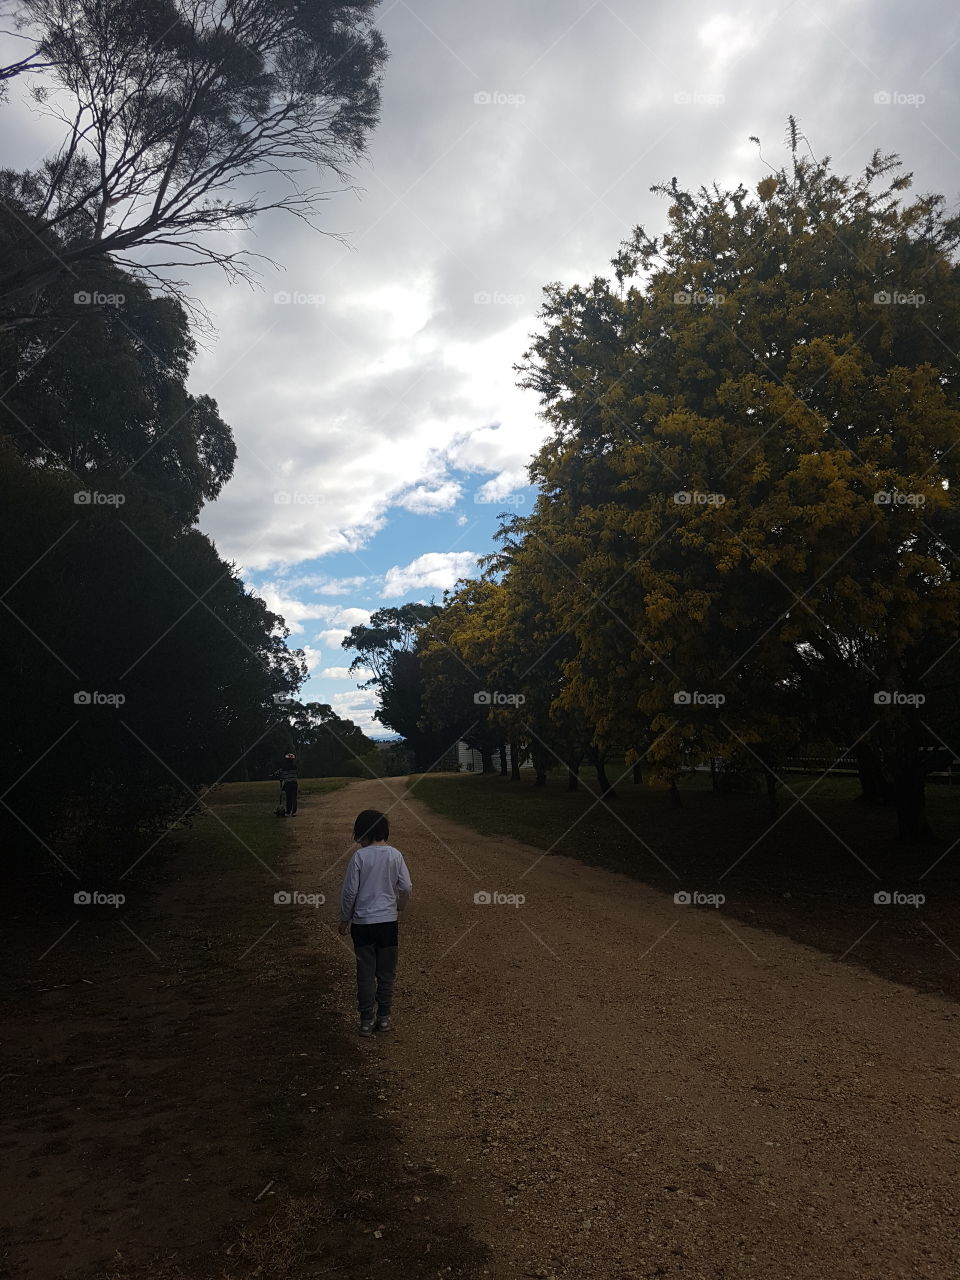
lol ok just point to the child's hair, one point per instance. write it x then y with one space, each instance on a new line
371 825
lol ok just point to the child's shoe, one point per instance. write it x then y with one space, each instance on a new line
366 1026
384 1024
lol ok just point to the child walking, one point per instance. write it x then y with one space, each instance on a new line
376 886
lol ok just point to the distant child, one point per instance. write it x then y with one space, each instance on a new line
376 886
287 773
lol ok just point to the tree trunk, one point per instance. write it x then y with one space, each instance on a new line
514 762
910 800
538 756
773 800
675 798
599 763
486 758
637 773
574 760
875 786
503 759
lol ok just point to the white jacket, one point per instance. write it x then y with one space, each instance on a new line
375 877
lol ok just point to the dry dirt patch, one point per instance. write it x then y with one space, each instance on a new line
617 1087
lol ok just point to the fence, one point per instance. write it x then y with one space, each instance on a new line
846 767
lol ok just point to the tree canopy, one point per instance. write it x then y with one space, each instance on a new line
389 647
99 389
143 671
745 541
172 112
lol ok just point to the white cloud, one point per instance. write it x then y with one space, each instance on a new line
321 583
424 501
502 485
496 448
725 36
405 371
313 656
406 307
331 639
371 399
344 673
359 706
297 612
439 569
337 470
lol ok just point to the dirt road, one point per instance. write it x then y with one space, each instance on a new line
619 1086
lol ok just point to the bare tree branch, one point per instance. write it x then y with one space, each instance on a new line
167 108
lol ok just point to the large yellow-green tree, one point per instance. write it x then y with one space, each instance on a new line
453 686
749 500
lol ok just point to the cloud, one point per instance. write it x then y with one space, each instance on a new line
331 639
359 706
367 442
313 657
424 501
321 583
504 485
382 396
439 569
344 673
725 37
297 612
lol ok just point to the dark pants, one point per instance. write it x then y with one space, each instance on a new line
375 946
290 794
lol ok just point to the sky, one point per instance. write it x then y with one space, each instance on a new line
369 380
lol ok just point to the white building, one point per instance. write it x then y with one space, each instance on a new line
466 759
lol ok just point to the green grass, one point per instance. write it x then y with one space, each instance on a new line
707 833
263 793
246 822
